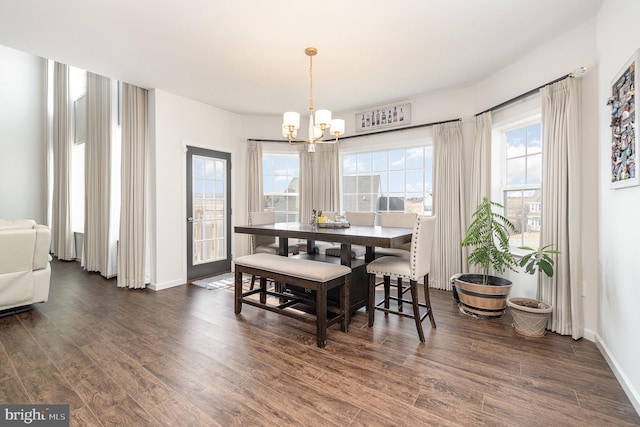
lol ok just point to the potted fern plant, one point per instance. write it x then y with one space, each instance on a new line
483 294
530 316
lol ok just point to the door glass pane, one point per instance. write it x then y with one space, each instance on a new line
209 207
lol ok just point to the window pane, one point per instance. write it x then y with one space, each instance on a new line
380 161
384 182
415 180
349 164
396 181
414 202
534 141
364 162
514 212
267 166
523 210
396 159
516 171
198 167
415 158
516 143
534 169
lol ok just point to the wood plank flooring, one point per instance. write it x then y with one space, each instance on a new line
181 357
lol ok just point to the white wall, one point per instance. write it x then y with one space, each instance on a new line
176 123
22 133
617 39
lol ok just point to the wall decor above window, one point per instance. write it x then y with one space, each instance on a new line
624 143
387 116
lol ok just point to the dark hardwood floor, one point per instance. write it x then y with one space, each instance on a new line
180 357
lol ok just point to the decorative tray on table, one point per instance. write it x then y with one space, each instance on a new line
334 225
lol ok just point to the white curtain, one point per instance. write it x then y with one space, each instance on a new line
319 180
254 176
480 183
448 204
97 220
561 200
305 189
132 257
62 244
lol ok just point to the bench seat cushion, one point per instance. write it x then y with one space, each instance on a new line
294 267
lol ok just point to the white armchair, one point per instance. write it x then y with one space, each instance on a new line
25 270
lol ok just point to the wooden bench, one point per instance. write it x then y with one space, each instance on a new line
317 277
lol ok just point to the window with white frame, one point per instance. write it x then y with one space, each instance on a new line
280 182
521 187
388 180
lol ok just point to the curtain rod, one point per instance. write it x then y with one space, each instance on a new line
371 133
531 92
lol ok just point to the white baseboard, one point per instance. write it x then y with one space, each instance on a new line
628 388
166 285
588 334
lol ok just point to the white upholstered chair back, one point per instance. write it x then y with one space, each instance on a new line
261 218
422 246
398 219
361 218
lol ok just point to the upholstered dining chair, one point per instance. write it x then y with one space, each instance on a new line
402 220
266 244
354 218
416 267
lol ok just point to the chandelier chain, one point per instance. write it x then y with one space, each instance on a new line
310 83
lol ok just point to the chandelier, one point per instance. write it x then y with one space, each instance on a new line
318 122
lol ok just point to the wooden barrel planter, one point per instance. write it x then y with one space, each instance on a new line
485 301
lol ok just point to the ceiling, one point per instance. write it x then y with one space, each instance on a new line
247 56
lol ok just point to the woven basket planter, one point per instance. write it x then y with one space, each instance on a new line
529 321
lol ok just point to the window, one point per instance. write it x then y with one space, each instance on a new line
280 179
389 180
523 177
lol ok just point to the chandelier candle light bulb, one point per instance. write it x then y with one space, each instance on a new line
317 127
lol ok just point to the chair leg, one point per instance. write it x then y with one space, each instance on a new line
371 304
387 291
427 300
253 281
400 294
416 308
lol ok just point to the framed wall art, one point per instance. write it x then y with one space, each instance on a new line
624 109
387 116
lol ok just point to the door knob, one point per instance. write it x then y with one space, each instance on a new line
190 219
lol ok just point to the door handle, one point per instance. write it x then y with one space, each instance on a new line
190 219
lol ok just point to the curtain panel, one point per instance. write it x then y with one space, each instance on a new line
254 176
319 180
62 243
97 219
480 184
561 202
448 204
132 256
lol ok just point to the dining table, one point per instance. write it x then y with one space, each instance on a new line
346 235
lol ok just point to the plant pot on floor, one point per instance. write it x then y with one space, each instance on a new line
530 316
479 300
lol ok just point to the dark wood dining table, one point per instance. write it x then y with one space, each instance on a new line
370 237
